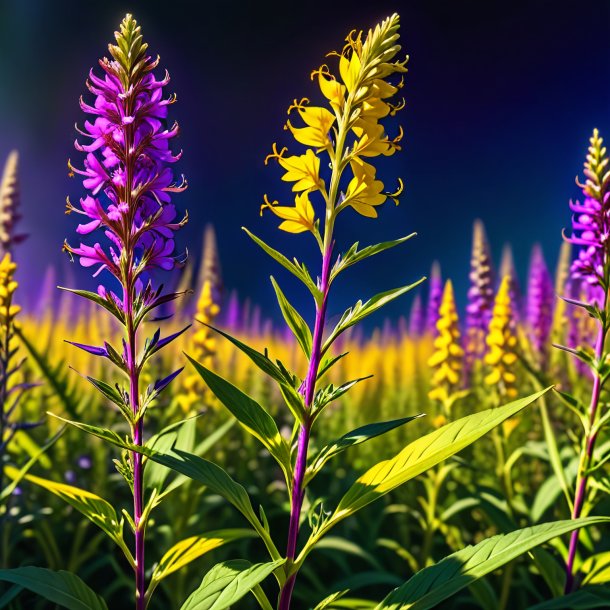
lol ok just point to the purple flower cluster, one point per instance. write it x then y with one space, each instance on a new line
435 296
540 297
127 170
591 226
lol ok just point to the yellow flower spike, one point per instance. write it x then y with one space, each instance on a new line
448 354
501 342
297 219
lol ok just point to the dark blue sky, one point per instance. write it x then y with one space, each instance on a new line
501 99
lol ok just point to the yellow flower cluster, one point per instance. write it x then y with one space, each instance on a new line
501 343
8 285
447 359
348 130
203 349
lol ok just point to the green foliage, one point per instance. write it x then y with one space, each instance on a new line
227 583
432 585
96 509
62 588
419 456
250 415
294 320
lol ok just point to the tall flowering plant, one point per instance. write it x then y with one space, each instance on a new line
334 173
590 230
128 174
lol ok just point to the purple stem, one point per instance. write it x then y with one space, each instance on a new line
587 456
134 401
298 491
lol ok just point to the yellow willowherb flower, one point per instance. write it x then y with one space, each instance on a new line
347 132
501 342
447 359
297 219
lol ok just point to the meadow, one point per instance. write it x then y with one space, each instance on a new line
459 456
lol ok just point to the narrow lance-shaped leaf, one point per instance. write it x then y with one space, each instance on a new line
296 269
189 549
417 457
96 509
62 588
355 437
361 310
227 582
432 585
196 468
353 255
249 414
294 320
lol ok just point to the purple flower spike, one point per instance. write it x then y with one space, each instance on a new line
435 296
480 297
127 170
416 317
540 300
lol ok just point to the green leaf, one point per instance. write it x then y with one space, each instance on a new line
56 376
432 585
328 601
250 415
353 255
62 588
196 468
19 474
227 582
189 549
355 437
419 456
292 398
262 361
113 395
596 569
587 598
217 481
297 269
181 435
108 304
294 320
103 433
361 310
96 509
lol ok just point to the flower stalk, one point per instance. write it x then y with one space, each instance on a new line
591 227
127 172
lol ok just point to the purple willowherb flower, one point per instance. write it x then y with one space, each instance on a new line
480 298
416 317
232 317
435 296
540 299
127 171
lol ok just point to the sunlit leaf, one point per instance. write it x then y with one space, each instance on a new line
294 320
250 415
419 456
96 509
432 585
227 582
355 437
